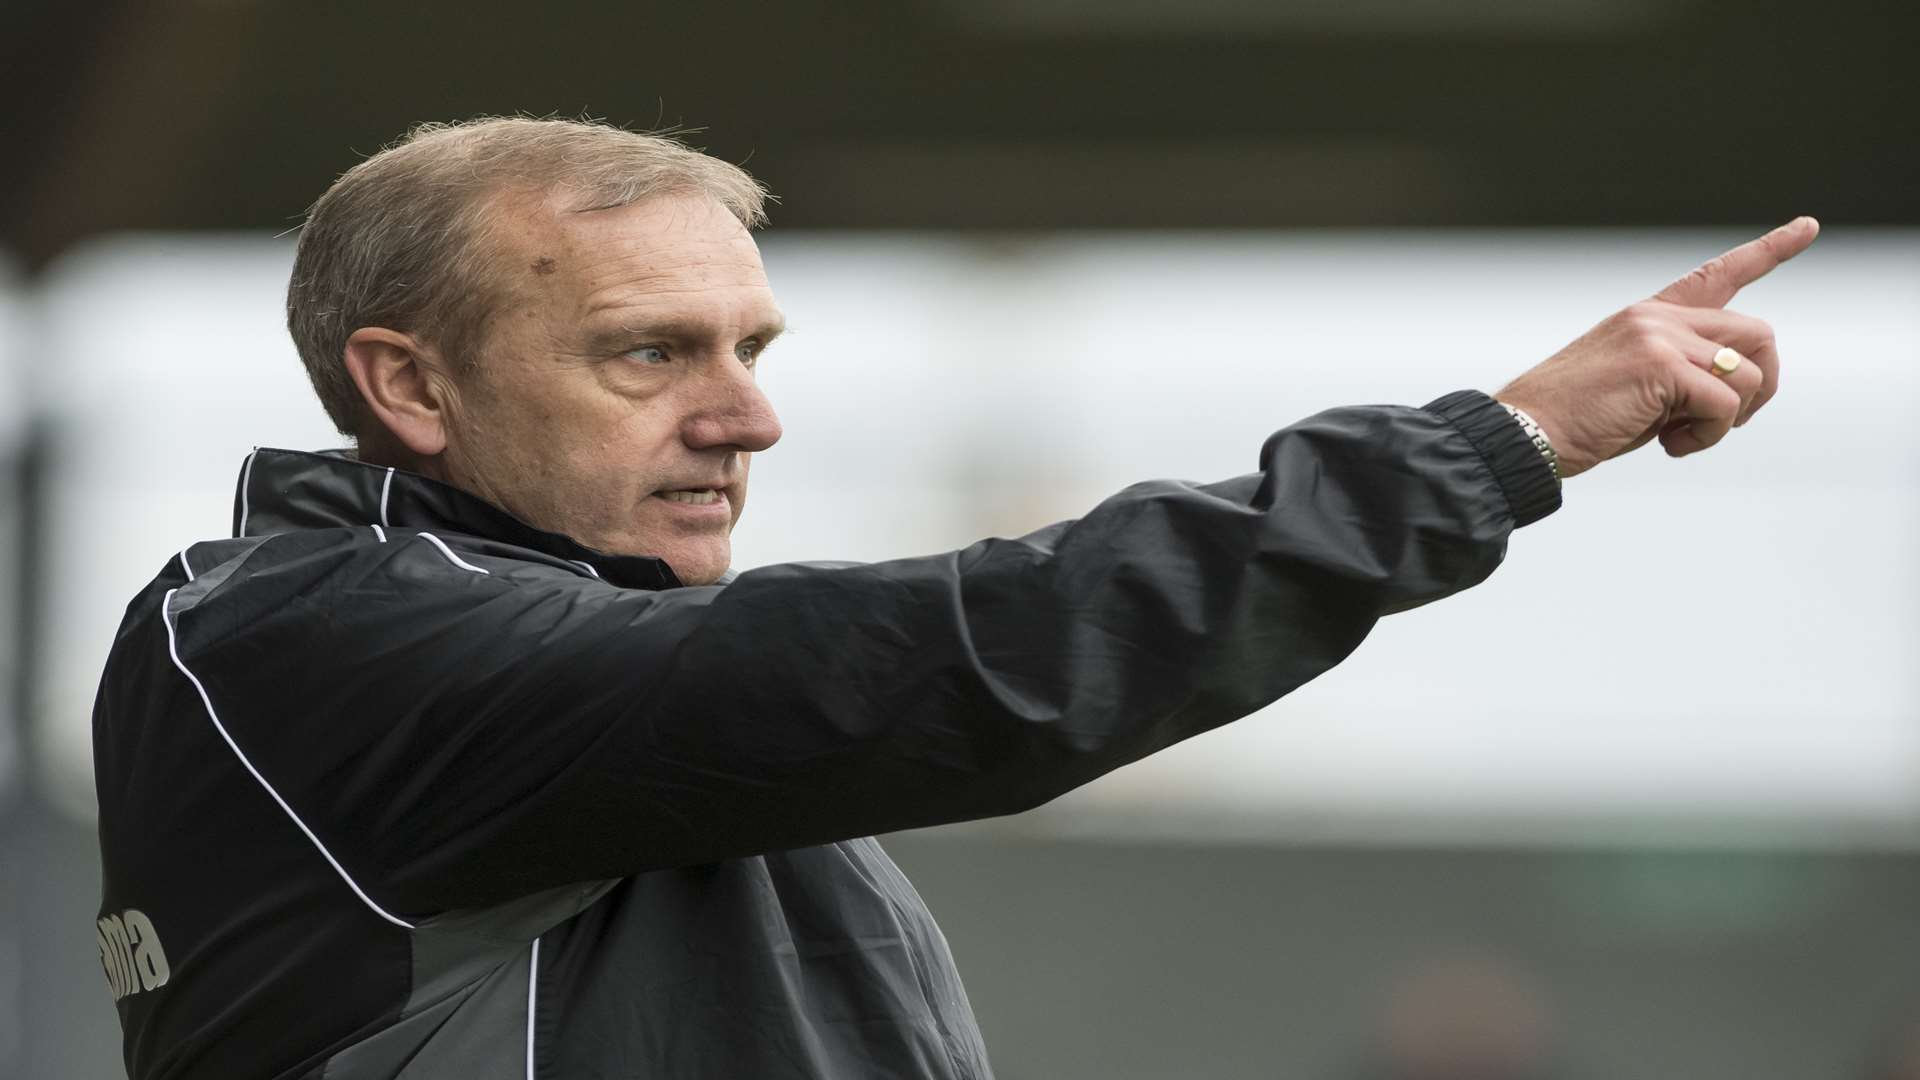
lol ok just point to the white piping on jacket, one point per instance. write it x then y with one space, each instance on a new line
533 997
246 480
448 552
173 651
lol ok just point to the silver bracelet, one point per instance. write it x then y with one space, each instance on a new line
1538 436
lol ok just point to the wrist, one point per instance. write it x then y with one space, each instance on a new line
1537 435
1515 463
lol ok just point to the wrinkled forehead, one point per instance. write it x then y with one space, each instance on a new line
680 254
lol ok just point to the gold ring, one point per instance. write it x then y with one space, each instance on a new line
1726 361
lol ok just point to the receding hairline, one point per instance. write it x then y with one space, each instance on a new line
513 222
527 163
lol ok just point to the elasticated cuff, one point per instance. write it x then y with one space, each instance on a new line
1531 489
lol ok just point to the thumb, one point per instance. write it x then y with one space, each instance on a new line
1703 415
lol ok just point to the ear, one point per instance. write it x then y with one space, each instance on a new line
401 383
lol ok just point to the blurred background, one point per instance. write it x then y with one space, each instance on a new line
1645 804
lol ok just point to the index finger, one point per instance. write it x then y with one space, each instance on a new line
1713 283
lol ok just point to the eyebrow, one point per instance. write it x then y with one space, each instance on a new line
671 329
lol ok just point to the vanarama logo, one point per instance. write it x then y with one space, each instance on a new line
130 954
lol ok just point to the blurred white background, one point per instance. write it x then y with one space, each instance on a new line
1719 649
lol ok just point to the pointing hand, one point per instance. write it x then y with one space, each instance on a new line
1648 370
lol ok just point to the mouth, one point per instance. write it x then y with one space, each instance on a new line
698 507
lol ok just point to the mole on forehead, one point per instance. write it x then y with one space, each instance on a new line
547 264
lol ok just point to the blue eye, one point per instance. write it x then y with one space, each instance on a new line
648 354
748 352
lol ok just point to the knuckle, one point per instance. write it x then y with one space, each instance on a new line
1643 326
1707 272
1757 331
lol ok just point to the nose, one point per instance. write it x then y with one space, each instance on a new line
731 412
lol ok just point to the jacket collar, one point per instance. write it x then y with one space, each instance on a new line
284 490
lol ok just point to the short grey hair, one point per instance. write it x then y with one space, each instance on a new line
402 240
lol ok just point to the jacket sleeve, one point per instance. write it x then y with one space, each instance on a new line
464 737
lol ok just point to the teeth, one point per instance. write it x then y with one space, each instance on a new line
699 498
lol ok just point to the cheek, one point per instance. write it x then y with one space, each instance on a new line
506 419
615 457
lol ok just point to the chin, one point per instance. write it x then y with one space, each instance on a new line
698 567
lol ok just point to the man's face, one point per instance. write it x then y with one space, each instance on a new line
614 398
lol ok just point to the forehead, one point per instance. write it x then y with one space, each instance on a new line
678 255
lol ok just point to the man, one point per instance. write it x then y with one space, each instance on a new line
466 756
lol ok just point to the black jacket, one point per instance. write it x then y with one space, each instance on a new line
392 784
